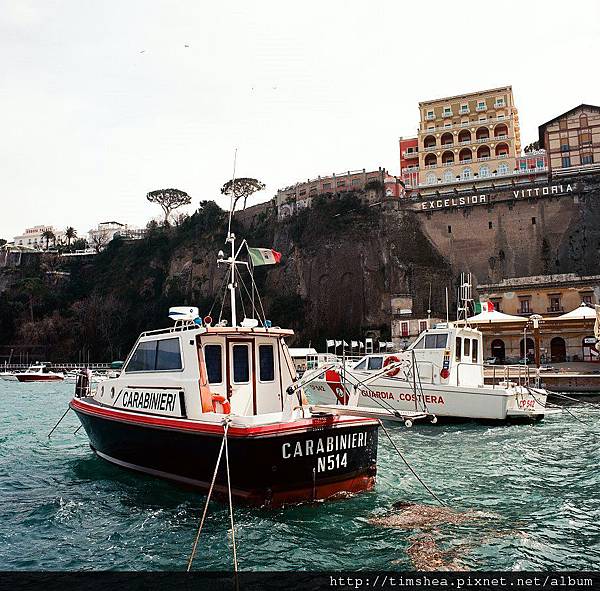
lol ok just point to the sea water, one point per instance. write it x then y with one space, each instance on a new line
534 490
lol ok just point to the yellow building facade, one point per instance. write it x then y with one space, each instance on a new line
468 137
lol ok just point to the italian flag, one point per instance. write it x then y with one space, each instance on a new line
483 307
264 256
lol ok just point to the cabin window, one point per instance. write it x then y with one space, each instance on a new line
361 365
467 347
168 355
266 363
458 352
375 362
214 366
436 341
241 366
163 355
420 343
475 351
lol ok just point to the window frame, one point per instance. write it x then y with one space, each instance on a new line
220 359
155 341
272 347
233 380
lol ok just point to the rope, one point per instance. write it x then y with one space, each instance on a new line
410 467
235 563
59 421
575 399
210 490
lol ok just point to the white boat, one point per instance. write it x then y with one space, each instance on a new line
40 373
441 373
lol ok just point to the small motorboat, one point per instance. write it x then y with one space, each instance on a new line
40 373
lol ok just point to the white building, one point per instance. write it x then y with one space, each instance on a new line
34 237
100 236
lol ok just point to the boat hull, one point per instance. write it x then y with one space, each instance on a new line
442 401
288 464
39 378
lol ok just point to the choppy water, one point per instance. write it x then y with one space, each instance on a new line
63 508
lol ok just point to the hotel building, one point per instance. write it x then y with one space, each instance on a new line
468 139
34 237
572 141
468 136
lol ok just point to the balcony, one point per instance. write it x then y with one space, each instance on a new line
411 169
413 154
429 148
555 310
501 137
499 105
431 165
430 116
466 161
464 111
447 146
449 163
501 155
447 114
481 140
481 108
484 158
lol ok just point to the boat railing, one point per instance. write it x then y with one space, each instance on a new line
171 329
522 375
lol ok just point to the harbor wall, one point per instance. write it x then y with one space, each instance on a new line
520 232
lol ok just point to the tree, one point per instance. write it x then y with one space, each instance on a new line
169 200
70 234
242 187
2 242
532 147
47 236
100 238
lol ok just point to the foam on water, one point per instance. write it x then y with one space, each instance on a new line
532 494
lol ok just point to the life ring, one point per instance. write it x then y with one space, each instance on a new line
388 361
218 399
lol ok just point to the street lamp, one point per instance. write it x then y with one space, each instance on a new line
535 320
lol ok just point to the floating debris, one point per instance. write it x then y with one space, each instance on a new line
426 555
416 516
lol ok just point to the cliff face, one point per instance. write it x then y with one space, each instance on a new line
522 236
341 263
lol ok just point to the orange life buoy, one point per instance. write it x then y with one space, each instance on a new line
218 399
388 361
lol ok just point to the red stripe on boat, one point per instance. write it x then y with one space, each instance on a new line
188 425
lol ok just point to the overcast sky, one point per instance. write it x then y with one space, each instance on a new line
102 102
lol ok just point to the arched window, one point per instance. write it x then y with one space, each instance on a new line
447 139
429 141
448 157
465 155
484 172
431 179
483 133
503 168
448 176
467 173
430 160
464 136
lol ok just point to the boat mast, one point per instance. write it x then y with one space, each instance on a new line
231 239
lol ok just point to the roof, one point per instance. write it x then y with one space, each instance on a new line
494 316
302 351
457 96
581 312
542 127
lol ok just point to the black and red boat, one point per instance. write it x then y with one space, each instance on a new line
166 413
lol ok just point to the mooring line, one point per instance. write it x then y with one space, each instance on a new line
210 490
410 467
59 421
235 563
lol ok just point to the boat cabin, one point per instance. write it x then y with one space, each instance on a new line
446 354
191 371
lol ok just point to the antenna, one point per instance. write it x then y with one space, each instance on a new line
231 239
447 312
465 298
429 308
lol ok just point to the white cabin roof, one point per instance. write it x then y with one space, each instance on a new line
302 351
